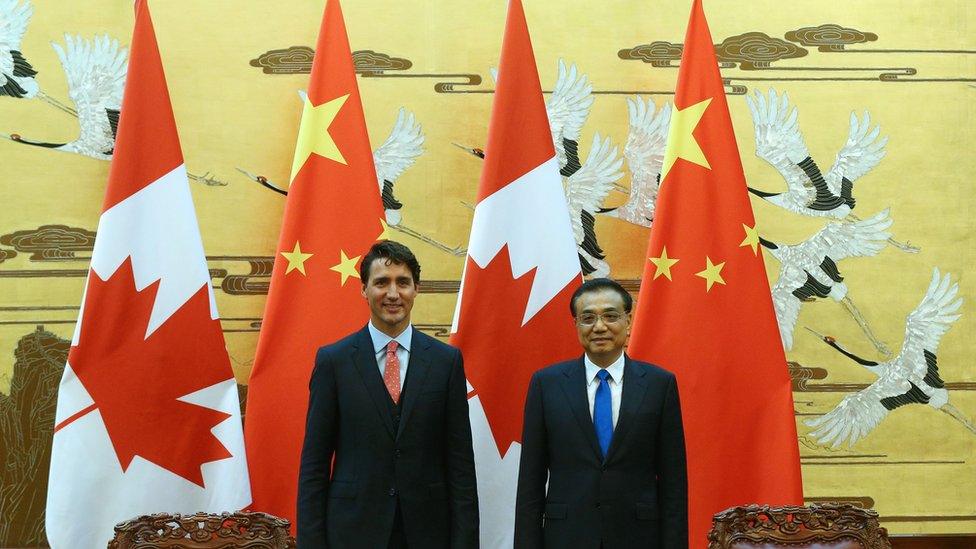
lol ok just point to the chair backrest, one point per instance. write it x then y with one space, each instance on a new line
821 526
203 531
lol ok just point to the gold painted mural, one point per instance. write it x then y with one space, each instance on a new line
884 89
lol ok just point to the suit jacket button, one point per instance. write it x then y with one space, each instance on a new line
598 505
392 492
397 453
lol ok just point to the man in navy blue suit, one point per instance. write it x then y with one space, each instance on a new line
387 459
605 432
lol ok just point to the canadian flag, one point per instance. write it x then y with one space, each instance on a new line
148 418
512 315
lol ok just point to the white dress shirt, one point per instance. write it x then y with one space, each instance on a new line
616 381
380 342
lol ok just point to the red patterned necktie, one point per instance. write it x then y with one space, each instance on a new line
391 374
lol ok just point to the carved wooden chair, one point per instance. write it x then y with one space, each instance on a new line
203 531
823 526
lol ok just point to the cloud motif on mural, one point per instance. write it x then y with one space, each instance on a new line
293 60
298 60
829 37
369 61
751 51
657 53
51 242
756 50
7 254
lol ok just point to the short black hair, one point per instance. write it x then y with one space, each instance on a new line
393 252
597 284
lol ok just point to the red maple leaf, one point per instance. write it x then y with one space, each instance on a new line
500 355
136 381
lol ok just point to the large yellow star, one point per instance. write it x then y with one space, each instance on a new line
663 264
385 233
346 266
681 142
296 259
313 133
752 238
712 273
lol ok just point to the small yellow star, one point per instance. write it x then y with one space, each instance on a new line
385 234
313 133
346 266
663 264
752 238
712 273
296 259
681 141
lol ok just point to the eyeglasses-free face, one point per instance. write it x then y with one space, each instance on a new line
390 292
602 325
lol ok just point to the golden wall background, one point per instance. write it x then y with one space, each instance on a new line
910 63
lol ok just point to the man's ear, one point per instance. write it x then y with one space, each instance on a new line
363 290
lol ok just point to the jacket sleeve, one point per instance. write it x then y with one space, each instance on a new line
315 472
462 483
533 471
672 472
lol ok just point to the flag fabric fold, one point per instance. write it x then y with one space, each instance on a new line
512 316
148 418
333 214
705 312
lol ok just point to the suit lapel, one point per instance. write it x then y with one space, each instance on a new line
574 385
417 369
634 389
365 361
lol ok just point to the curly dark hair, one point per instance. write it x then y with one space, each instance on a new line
393 252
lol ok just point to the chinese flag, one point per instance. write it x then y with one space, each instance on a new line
513 313
148 418
332 216
705 311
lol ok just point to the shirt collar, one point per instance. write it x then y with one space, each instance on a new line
616 369
381 340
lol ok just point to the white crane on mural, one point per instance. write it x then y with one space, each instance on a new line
585 190
810 192
910 378
397 153
644 151
95 70
17 76
16 73
587 185
808 270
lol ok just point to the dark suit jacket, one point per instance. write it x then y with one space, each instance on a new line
637 497
355 466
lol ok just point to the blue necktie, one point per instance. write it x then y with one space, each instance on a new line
602 412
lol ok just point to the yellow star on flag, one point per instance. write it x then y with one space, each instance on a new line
712 273
752 238
385 234
346 266
663 264
681 142
313 133
296 259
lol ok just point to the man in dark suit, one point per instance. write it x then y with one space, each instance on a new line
387 459
605 431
